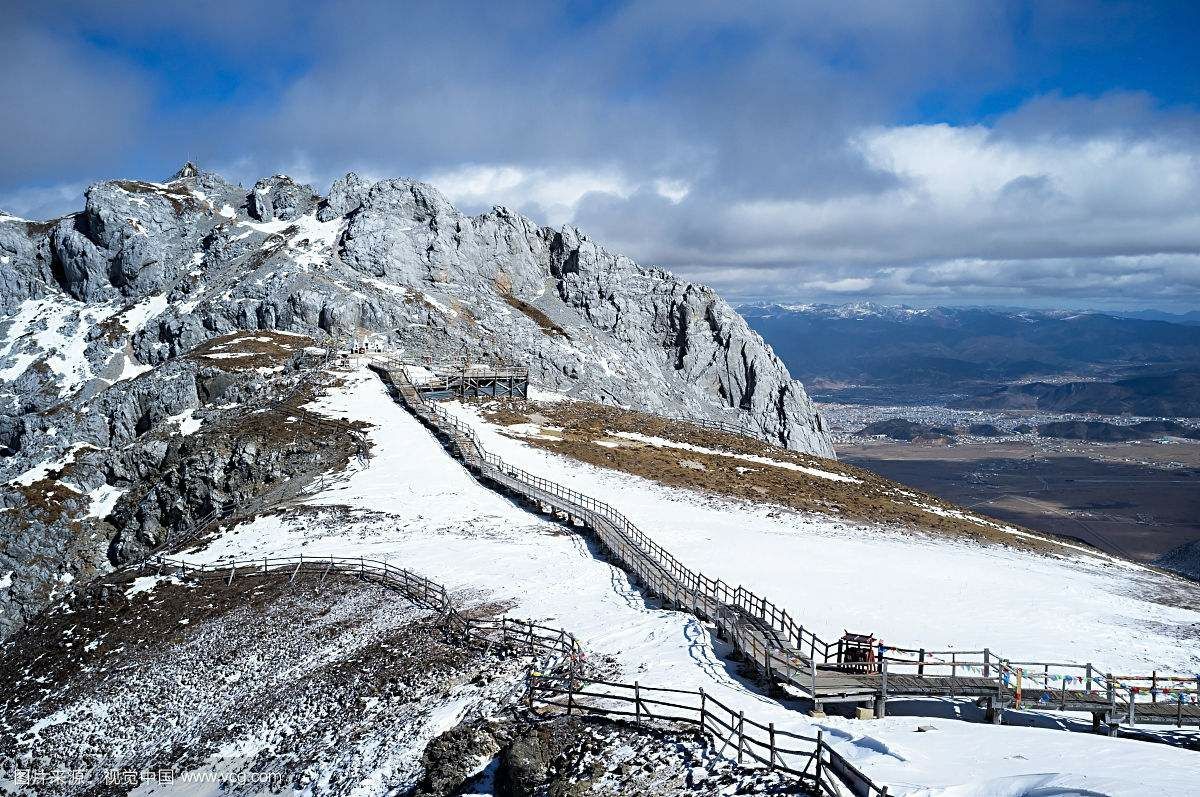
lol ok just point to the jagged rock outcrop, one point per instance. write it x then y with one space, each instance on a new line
394 258
151 460
102 313
280 198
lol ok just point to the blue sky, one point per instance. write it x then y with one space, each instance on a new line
1042 154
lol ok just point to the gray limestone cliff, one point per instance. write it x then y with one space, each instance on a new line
111 319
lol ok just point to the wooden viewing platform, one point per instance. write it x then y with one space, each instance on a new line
467 379
783 651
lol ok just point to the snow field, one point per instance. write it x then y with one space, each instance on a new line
415 506
910 591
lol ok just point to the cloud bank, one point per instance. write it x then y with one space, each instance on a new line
921 151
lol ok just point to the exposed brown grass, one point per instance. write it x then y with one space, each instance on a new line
245 350
871 499
179 198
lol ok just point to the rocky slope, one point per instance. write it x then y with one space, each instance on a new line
142 338
198 256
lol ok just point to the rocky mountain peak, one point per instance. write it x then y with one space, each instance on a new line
187 170
396 260
162 308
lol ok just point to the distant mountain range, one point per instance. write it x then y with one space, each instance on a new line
1080 362
1191 317
1096 431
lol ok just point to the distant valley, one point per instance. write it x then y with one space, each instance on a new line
987 358
1083 425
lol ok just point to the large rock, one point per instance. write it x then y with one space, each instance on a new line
589 322
395 258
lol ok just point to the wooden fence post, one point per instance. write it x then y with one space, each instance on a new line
703 709
921 663
1112 697
987 663
771 731
881 704
570 696
817 760
741 730
637 702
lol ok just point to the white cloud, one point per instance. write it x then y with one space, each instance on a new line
672 190
43 202
551 196
971 212
965 192
774 160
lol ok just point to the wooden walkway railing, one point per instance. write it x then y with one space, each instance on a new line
808 758
561 672
768 637
507 632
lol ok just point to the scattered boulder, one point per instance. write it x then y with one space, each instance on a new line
453 758
526 763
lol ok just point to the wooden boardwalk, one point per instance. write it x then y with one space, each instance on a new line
783 651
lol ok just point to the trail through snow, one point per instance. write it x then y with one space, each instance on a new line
415 506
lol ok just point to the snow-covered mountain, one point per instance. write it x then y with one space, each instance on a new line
148 271
177 376
337 688
113 319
